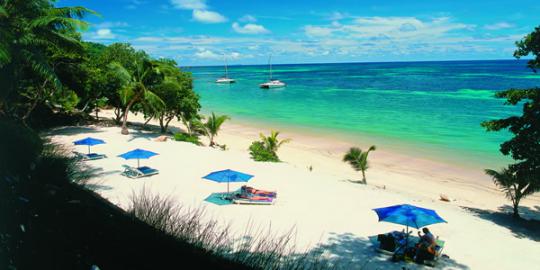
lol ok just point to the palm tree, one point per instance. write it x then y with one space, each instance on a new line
139 86
272 143
212 126
31 32
514 187
359 160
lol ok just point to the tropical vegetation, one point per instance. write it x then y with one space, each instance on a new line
358 159
213 125
521 178
266 149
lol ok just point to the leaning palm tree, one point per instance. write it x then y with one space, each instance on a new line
212 126
272 143
138 88
514 187
359 160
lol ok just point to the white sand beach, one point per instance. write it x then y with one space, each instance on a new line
325 208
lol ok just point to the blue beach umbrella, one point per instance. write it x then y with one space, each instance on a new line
138 154
408 215
228 176
89 141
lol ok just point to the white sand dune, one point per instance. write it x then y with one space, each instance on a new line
324 207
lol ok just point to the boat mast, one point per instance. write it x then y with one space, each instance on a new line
226 71
270 64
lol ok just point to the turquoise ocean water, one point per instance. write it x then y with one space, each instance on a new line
433 108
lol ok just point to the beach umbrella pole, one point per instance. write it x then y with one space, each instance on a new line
138 166
88 149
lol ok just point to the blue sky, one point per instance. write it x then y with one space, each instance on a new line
204 32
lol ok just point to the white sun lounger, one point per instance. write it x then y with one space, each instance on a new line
90 156
138 172
253 202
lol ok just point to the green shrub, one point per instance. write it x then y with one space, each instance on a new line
259 152
184 137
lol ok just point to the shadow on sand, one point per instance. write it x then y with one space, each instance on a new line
72 130
347 251
521 228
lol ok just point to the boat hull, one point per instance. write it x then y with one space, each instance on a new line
225 81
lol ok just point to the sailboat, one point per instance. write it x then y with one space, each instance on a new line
225 79
271 83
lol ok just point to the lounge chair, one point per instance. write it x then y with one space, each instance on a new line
258 200
89 156
138 172
258 192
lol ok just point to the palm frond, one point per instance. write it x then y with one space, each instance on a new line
40 66
119 71
153 100
59 23
5 56
3 12
126 93
72 12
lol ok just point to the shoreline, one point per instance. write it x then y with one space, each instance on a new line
324 153
404 147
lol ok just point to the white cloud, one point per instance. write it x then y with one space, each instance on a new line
249 28
247 18
498 26
104 33
354 39
189 4
212 55
207 16
317 31
207 54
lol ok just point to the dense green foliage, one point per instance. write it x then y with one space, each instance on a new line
213 125
530 44
46 69
358 159
521 178
266 149
184 137
40 51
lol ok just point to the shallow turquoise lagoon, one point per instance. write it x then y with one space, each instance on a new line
431 107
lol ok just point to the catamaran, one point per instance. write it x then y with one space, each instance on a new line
225 79
271 83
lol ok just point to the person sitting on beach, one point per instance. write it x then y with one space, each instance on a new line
425 249
427 239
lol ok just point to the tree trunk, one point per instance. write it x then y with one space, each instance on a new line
211 137
124 122
161 124
167 123
97 110
516 208
118 115
36 101
364 177
148 120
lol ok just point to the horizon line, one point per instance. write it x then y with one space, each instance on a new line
360 62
